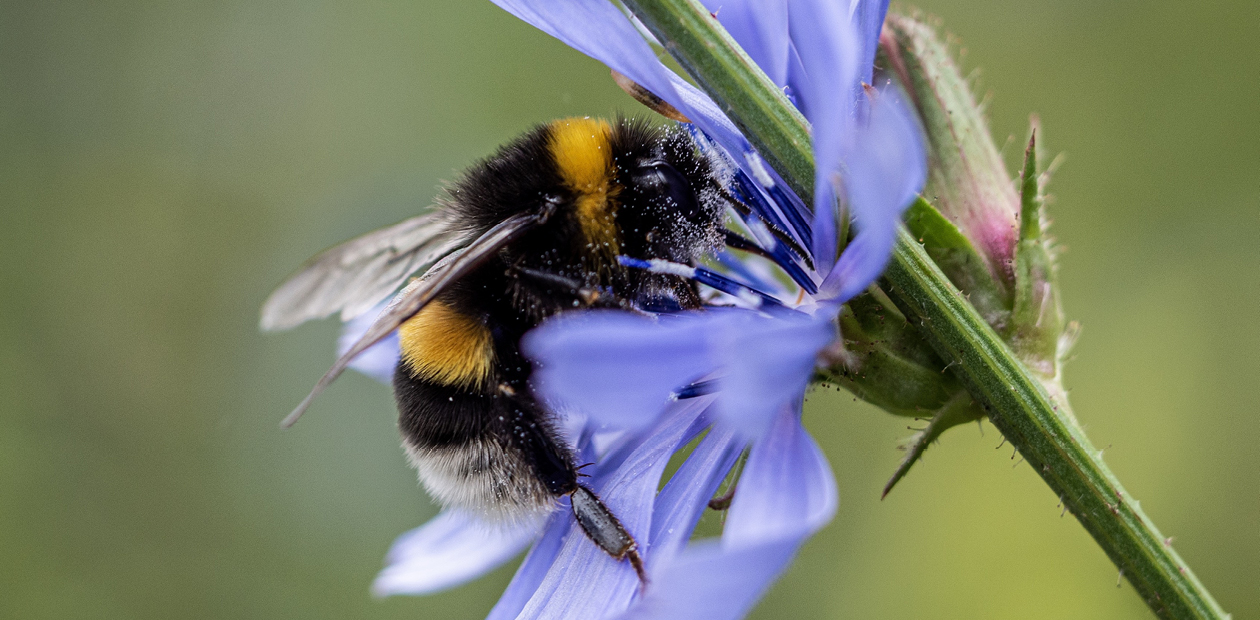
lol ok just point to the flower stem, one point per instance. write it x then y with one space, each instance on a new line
1040 426
1046 435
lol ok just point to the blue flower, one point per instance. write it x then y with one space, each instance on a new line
637 389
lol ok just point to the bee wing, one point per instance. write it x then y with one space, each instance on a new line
420 292
356 275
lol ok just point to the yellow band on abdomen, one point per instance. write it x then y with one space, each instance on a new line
447 347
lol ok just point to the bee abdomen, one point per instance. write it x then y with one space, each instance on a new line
493 455
446 346
481 476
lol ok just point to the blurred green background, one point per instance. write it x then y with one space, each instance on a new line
164 165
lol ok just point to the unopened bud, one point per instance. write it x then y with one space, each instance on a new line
967 180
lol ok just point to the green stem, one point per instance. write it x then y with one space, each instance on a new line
1043 430
1049 439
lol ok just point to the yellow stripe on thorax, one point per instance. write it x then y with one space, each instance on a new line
583 156
447 347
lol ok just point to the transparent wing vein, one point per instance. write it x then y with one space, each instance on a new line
353 277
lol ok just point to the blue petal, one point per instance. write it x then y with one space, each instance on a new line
583 581
829 55
535 566
868 16
450 549
685 497
761 28
706 115
379 360
543 555
754 273
763 197
620 369
786 489
616 368
785 494
767 362
596 28
622 451
827 45
798 80
710 582
887 166
599 30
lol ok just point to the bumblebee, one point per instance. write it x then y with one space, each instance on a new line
543 226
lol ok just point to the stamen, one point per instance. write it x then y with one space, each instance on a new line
789 255
722 283
761 218
794 210
758 167
778 255
793 207
696 390
740 242
746 192
707 277
740 269
657 265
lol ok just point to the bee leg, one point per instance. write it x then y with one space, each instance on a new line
723 501
740 242
603 528
648 98
587 296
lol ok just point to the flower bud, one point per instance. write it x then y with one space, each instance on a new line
967 180
984 232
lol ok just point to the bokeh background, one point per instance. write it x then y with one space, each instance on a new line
164 165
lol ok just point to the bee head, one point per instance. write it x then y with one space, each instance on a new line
670 202
630 188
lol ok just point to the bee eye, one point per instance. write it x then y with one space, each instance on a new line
664 187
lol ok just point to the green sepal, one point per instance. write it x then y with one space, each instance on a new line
959 259
1030 192
960 409
1037 322
885 362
